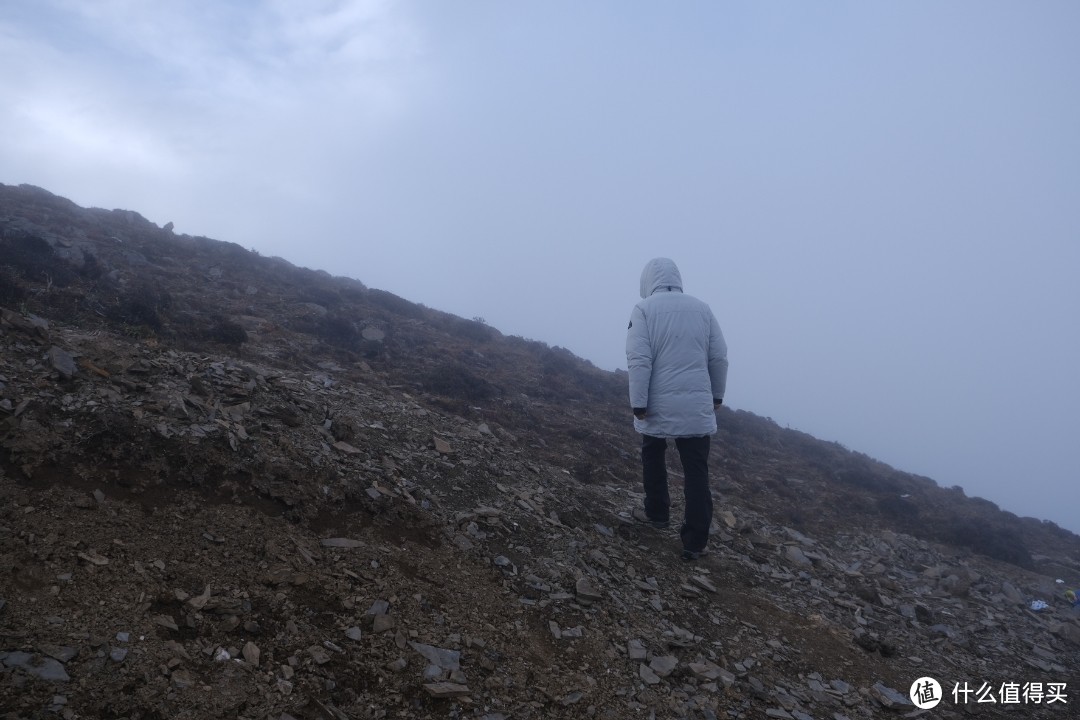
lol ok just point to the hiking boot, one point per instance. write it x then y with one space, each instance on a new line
639 515
692 555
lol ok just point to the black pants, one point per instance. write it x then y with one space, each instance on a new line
694 453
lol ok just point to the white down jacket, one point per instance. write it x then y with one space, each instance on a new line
676 357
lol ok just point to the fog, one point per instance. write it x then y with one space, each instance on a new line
880 201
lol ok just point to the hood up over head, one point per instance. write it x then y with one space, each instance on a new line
660 273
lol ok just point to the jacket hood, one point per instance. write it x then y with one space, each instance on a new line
660 273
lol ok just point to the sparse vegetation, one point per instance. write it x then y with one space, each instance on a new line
454 380
227 332
986 537
474 330
393 303
338 331
144 304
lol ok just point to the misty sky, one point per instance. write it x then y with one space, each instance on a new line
880 200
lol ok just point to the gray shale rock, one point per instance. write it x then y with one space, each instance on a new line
587 590
43 668
446 689
646 674
664 665
62 362
446 659
890 698
797 557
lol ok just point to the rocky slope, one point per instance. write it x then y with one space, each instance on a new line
234 487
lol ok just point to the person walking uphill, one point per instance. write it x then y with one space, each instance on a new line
677 361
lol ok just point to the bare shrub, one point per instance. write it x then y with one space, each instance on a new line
338 331
897 508
227 332
457 381
144 304
393 303
985 538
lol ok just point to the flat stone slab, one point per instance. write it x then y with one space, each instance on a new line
664 665
44 668
340 542
446 689
646 674
587 590
445 659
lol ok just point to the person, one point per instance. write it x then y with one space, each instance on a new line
677 362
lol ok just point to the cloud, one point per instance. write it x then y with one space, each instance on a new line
167 90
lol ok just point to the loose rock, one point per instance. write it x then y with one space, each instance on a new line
446 689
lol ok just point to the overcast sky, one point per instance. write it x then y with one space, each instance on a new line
880 200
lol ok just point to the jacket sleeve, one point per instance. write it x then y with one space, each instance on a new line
718 362
638 359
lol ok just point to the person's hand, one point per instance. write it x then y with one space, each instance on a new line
717 402
639 413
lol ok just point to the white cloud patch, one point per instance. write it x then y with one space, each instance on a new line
170 88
